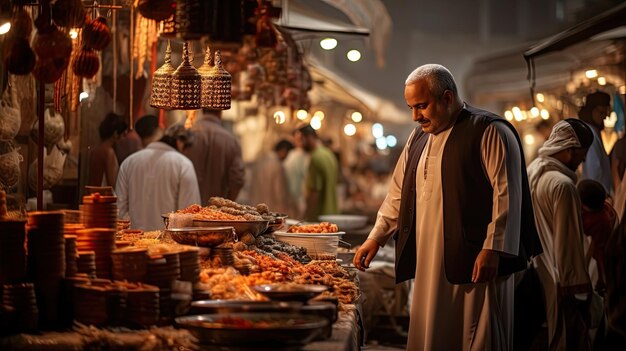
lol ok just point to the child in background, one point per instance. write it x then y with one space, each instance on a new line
599 221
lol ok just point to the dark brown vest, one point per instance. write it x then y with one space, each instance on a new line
467 203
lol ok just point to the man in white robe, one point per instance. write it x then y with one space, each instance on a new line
562 269
472 312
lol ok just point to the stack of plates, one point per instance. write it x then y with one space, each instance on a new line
12 251
222 256
189 265
90 304
21 298
116 303
130 264
86 263
142 303
163 269
102 242
46 262
71 255
99 211
68 296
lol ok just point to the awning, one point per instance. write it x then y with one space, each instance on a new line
298 17
332 86
611 19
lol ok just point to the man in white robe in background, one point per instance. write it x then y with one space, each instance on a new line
461 255
562 269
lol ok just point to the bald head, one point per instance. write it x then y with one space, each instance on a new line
438 77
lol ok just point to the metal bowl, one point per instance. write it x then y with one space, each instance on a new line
241 227
285 329
243 306
277 223
290 292
202 236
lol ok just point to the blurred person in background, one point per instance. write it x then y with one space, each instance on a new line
216 157
103 163
562 269
322 177
597 165
157 179
268 179
599 221
296 165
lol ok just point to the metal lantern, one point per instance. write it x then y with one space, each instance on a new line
205 72
218 83
162 82
186 84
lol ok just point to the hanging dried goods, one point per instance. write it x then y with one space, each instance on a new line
68 13
158 10
20 59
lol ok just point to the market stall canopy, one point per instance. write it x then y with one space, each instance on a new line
503 77
604 22
297 17
329 85
369 18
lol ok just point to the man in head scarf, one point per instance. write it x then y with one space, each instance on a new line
597 165
562 269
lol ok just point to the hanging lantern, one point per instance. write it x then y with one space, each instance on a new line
218 83
86 63
186 84
96 33
205 72
162 82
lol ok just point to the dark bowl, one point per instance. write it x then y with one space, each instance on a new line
202 236
241 227
241 306
289 329
290 292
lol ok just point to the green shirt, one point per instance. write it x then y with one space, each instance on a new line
322 178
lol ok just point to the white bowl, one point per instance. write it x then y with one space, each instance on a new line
345 222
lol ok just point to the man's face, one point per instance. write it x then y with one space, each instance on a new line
599 113
297 138
433 113
577 157
282 154
308 143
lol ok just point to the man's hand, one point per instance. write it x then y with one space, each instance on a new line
365 254
486 266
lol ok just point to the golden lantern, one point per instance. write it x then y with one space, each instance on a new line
218 85
162 82
186 84
205 72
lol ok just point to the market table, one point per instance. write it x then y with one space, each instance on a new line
346 336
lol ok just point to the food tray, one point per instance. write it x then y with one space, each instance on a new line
202 236
290 291
241 227
244 306
320 246
284 329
